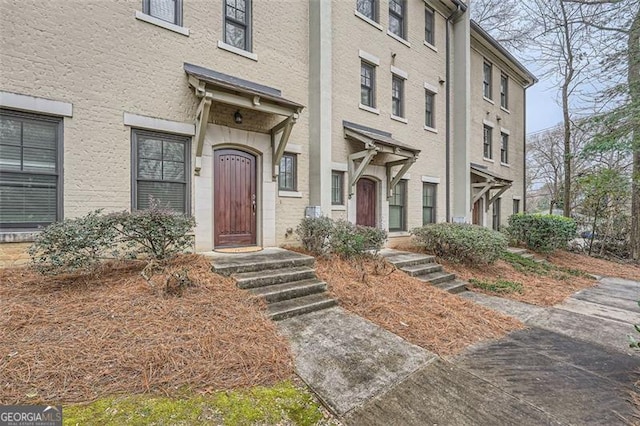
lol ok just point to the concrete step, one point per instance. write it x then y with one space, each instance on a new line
422 269
228 265
290 290
437 277
516 250
400 259
255 279
527 255
298 306
453 286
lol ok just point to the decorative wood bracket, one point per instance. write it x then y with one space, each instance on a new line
202 117
356 172
497 195
279 144
391 183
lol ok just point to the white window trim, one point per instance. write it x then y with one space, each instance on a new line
34 104
505 131
339 167
505 164
488 123
505 110
372 59
488 100
431 46
430 179
400 119
394 234
431 129
399 73
338 208
368 20
160 23
517 197
489 160
293 148
369 109
159 124
430 87
229 48
289 194
400 39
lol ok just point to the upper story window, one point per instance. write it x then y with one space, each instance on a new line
429 26
237 23
504 148
337 185
430 114
167 10
487 142
30 170
288 172
504 91
486 80
397 96
368 8
367 84
397 15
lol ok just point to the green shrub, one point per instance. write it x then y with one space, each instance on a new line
323 235
498 286
464 243
314 232
542 233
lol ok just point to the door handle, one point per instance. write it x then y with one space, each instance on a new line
253 206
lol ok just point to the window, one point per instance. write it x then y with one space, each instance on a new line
160 170
504 91
368 8
288 172
429 117
367 84
237 23
396 17
397 96
516 206
504 148
488 144
30 170
167 10
337 182
428 203
396 207
496 214
486 80
429 26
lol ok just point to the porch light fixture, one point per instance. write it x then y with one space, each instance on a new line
237 117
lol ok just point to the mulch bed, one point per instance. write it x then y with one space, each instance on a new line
76 338
594 265
418 312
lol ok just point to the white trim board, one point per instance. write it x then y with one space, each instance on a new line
159 124
35 104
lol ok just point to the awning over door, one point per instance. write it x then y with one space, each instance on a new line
487 182
377 142
213 86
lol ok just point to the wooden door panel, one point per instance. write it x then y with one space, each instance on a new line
366 202
234 198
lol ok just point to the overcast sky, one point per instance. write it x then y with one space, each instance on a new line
543 110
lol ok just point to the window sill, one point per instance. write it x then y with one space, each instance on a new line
431 46
229 48
163 24
18 236
393 234
488 160
431 129
367 20
289 194
369 109
398 38
488 100
338 208
505 110
505 164
400 119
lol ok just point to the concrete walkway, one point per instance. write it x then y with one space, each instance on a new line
571 366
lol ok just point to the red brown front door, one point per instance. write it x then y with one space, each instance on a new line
477 212
366 202
234 189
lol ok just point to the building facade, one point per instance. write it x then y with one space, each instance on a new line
364 110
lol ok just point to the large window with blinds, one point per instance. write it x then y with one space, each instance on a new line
30 170
160 170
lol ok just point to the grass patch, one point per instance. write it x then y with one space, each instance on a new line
282 404
531 267
497 286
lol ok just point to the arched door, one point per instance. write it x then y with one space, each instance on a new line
366 202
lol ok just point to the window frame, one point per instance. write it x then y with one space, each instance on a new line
294 173
487 77
429 116
372 89
516 206
403 207
400 98
248 26
504 148
146 9
135 132
59 172
497 215
430 25
375 8
504 91
487 142
401 17
433 208
339 190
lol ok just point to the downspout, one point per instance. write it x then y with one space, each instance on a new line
460 9
524 148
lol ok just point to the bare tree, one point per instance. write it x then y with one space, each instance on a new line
503 19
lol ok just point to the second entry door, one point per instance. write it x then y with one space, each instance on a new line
366 196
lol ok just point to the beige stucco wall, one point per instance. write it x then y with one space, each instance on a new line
351 34
105 62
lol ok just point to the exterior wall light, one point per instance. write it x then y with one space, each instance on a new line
237 117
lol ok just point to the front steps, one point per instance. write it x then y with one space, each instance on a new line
424 268
526 254
284 279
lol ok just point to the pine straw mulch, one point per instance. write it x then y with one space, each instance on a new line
418 312
596 266
73 339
